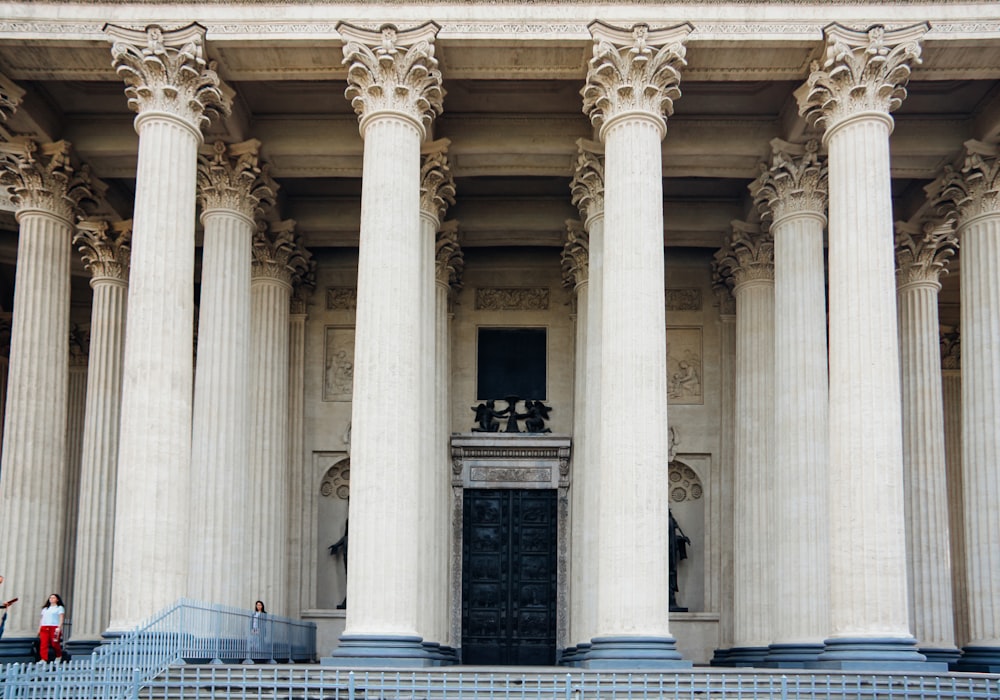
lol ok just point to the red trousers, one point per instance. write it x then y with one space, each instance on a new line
48 634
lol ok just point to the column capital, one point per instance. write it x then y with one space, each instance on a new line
863 71
635 70
79 345
278 253
231 176
303 288
11 95
972 191
587 186
437 186
393 71
105 247
448 257
950 339
795 182
165 72
923 250
42 176
748 255
575 255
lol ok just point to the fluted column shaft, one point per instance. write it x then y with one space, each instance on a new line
75 417
440 477
299 482
932 617
220 436
33 471
951 380
429 465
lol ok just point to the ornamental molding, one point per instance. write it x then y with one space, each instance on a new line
634 70
862 71
437 186
166 71
923 251
42 176
337 481
509 460
684 483
794 182
587 186
393 71
974 190
105 248
748 255
512 299
448 257
231 177
575 255
278 253
341 298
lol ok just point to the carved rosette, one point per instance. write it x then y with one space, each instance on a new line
437 186
951 348
795 182
863 71
448 258
575 255
748 255
231 177
105 248
923 252
166 72
634 70
10 97
975 190
278 253
393 71
41 176
587 186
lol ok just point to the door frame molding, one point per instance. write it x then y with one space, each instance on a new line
511 461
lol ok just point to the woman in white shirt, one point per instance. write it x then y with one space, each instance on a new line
50 628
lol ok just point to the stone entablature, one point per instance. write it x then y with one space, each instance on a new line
502 461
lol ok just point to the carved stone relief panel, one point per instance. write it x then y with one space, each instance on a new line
337 481
683 299
512 298
341 298
684 483
338 368
684 365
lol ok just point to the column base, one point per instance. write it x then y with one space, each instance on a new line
376 651
978 660
791 655
941 655
17 650
78 648
634 653
875 654
574 656
719 658
746 656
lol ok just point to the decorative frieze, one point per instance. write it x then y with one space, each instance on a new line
231 177
512 298
795 181
105 248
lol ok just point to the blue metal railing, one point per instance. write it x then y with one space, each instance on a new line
188 631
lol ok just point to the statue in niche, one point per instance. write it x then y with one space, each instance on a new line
534 416
678 551
340 547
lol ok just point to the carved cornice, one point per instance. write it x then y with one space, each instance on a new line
165 71
951 348
231 177
863 71
634 70
795 182
437 186
42 176
923 251
575 255
748 255
106 248
448 257
587 186
278 253
10 97
974 191
393 71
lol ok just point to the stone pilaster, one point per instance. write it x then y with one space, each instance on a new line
973 195
105 250
46 191
395 88
749 260
922 254
174 91
951 381
437 192
587 189
76 404
232 189
632 81
278 263
791 196
861 79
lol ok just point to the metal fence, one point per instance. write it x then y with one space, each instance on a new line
186 632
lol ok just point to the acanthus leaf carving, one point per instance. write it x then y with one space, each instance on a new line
105 248
748 255
575 255
278 253
587 186
437 186
42 176
923 251
794 182
448 256
961 195
232 177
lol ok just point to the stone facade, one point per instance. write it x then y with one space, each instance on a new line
737 228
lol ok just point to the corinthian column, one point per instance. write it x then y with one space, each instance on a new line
76 405
46 191
951 389
174 92
395 88
974 196
105 251
791 195
921 256
749 261
632 82
278 264
587 190
861 80
231 191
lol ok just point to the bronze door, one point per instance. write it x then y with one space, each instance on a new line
509 577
